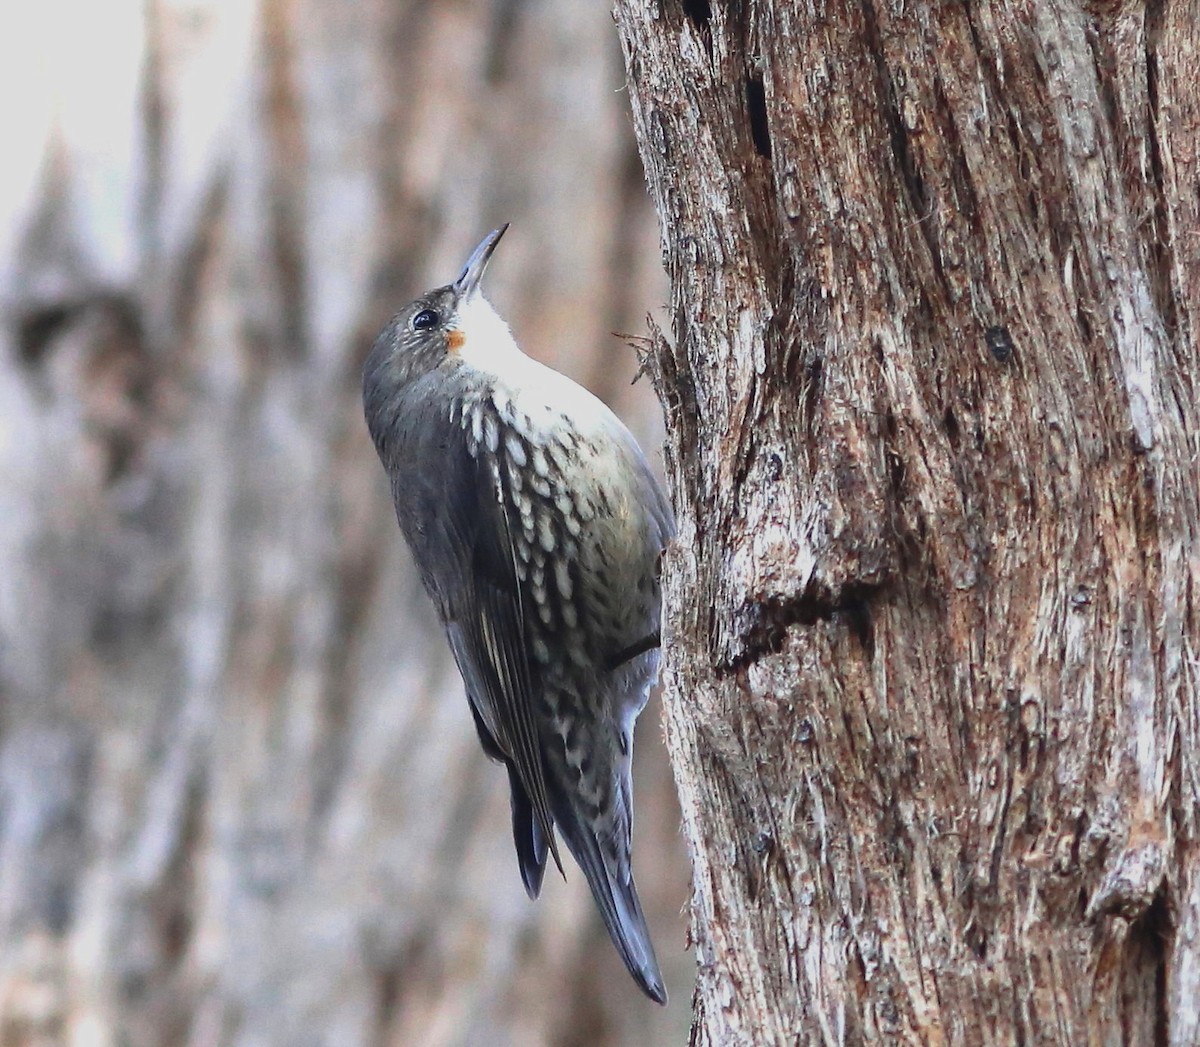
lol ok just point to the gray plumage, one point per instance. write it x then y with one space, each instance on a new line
537 527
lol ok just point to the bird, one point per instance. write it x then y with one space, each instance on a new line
538 528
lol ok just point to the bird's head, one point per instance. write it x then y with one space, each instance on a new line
447 327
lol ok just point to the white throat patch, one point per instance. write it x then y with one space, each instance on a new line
487 344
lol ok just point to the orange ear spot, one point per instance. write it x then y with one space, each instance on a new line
455 340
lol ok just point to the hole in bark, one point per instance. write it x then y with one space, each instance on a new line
862 628
762 626
1144 975
906 166
852 604
999 343
950 421
896 473
1160 244
756 104
814 371
698 12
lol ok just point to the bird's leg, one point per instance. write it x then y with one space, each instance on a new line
628 654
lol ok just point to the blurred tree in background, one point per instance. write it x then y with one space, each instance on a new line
241 798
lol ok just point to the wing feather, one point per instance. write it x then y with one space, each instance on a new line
487 631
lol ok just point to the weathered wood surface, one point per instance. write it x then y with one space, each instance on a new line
241 799
932 384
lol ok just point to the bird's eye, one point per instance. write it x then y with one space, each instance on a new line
425 319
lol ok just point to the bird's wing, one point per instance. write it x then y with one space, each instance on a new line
527 836
485 622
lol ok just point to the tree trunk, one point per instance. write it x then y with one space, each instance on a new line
241 797
933 647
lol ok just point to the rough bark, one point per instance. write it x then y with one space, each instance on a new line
933 648
241 798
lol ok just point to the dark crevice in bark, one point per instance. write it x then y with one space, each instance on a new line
814 386
745 450
762 626
1143 970
950 423
1103 64
1160 248
909 177
999 343
1025 170
978 906
774 470
676 390
756 105
857 614
766 840
989 62
699 13
1083 321
1030 747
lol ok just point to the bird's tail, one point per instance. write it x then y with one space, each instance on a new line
527 836
618 903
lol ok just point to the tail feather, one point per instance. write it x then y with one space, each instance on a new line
530 843
527 836
618 903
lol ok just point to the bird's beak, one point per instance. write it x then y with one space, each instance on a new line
467 284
